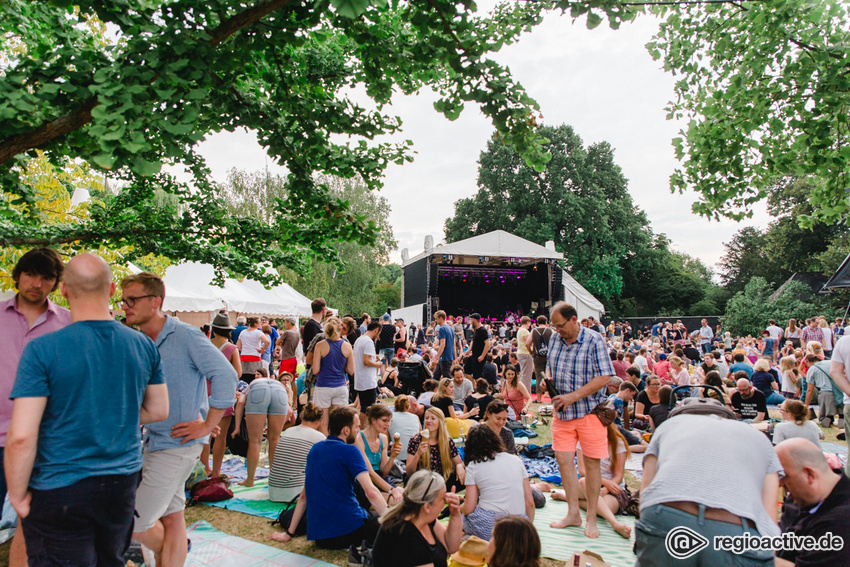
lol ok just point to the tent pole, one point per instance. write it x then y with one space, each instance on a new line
844 319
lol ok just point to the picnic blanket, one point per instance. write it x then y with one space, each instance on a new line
237 471
253 501
214 548
562 544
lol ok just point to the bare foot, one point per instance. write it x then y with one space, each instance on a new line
208 471
558 496
279 536
246 483
568 521
623 530
544 487
591 530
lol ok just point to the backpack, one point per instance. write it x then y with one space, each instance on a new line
542 349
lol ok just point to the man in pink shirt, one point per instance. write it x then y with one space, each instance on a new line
28 315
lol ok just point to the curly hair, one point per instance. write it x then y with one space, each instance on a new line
482 444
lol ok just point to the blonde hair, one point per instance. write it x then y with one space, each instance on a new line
332 329
442 445
676 360
422 488
761 365
787 363
441 389
150 282
812 346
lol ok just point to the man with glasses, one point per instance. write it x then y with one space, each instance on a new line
28 315
172 447
74 451
749 403
580 368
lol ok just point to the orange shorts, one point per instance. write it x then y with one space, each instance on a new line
587 430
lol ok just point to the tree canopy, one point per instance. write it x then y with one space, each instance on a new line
130 87
581 202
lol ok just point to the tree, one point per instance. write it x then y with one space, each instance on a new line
175 72
581 202
748 312
744 260
765 87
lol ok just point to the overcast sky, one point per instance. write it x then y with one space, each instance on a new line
602 82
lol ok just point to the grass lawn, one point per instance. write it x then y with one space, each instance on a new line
257 529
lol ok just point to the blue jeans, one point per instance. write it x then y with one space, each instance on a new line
387 354
775 398
654 523
88 523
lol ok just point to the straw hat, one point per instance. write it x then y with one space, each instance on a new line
473 551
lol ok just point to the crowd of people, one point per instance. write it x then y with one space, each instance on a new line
148 398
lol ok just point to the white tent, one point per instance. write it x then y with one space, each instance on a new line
177 299
586 305
245 297
495 244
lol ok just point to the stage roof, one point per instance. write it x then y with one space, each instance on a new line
496 244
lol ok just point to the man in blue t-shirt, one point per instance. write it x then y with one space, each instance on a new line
620 401
445 347
73 451
335 466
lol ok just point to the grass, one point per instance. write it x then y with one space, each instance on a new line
257 529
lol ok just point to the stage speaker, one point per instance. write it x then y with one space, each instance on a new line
557 284
432 279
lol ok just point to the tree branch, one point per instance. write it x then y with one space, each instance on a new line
19 143
42 135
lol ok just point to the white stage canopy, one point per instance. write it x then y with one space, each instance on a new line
586 305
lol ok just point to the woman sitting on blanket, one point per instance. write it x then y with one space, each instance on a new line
390 384
515 393
457 423
286 479
496 484
613 497
410 534
433 449
373 442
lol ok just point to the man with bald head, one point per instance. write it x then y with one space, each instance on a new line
818 504
749 403
73 450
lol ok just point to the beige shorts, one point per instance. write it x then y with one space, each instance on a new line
162 491
327 397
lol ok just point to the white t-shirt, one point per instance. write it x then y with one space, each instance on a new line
827 338
775 333
605 464
250 342
365 377
790 429
841 353
641 362
500 483
787 384
406 425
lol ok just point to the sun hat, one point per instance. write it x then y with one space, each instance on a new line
473 551
222 321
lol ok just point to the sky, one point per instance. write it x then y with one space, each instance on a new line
602 82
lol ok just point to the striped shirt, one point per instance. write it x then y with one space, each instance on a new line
286 478
574 365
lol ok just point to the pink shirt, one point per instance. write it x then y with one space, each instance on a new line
14 336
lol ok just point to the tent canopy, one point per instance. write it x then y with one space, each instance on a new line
247 296
841 278
586 305
496 244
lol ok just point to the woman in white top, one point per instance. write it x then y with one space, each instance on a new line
613 497
287 472
496 484
252 343
795 423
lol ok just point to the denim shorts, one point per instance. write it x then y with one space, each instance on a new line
267 397
87 523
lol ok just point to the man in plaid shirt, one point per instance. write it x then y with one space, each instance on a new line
811 332
580 368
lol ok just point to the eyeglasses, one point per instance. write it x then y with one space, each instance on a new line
561 326
131 301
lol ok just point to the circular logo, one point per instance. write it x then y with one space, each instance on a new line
683 542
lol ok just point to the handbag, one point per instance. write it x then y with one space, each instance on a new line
605 412
211 490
